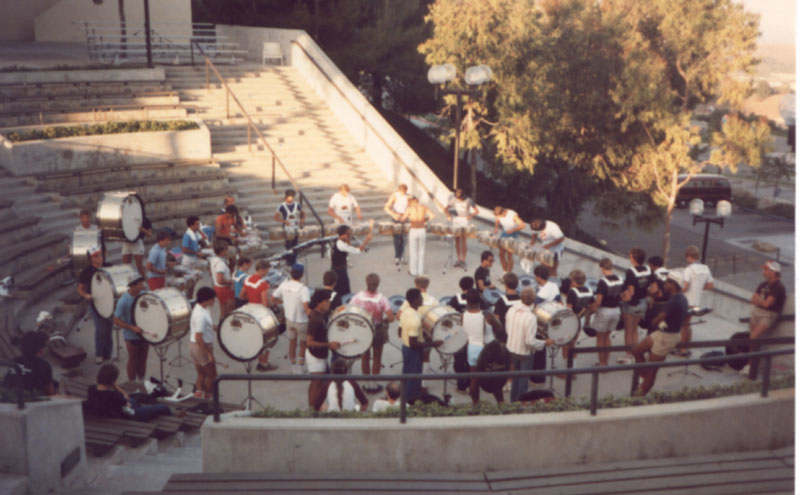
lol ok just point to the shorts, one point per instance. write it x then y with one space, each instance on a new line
634 309
224 294
473 351
460 222
663 342
135 248
512 235
606 319
381 335
156 283
761 316
238 303
295 330
315 364
199 358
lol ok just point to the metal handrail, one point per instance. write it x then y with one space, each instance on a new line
251 125
594 371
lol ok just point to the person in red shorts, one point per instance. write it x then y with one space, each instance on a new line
221 277
157 263
256 288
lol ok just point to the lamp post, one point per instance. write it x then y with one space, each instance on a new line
439 76
696 207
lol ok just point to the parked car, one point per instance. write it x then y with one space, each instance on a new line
711 188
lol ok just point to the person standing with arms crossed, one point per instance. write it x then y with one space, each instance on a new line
418 215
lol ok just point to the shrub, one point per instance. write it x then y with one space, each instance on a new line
744 199
781 210
56 132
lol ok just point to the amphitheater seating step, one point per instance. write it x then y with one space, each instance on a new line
12 91
87 173
27 105
95 114
138 185
11 258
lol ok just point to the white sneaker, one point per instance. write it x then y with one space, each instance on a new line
746 370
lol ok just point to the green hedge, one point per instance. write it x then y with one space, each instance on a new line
97 129
485 408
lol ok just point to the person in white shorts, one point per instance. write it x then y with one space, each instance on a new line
605 309
697 278
511 226
464 209
201 343
134 251
317 345
342 205
295 298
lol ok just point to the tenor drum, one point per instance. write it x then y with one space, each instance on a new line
352 328
108 283
436 228
163 314
399 228
361 229
530 253
526 281
386 228
472 230
396 302
491 296
450 229
311 232
557 322
82 240
331 228
484 236
545 257
120 215
507 243
459 230
247 331
444 323
276 233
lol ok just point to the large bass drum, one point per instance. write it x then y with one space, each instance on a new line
163 315
352 329
82 240
445 323
247 331
120 215
557 322
108 283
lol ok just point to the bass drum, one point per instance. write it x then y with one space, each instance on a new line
445 323
120 215
247 331
352 328
108 283
557 322
82 240
163 315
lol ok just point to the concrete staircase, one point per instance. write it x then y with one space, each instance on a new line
307 137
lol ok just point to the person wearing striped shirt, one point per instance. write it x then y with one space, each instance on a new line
522 339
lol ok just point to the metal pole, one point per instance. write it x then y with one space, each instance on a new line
208 86
228 103
191 51
249 148
595 386
705 241
765 381
273 171
216 400
147 33
570 359
458 139
403 398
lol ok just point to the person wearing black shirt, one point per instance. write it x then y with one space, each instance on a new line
511 281
768 301
666 331
634 299
579 297
102 326
482 276
37 374
605 308
108 400
493 357
339 256
459 303
317 344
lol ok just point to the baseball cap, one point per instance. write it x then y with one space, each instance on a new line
135 281
773 265
298 267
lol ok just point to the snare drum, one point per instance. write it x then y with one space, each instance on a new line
352 328
108 283
545 257
557 322
444 323
247 331
163 314
82 240
386 228
120 215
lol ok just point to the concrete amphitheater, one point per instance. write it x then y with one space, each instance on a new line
323 133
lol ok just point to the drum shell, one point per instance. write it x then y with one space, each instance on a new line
434 315
507 243
174 306
266 322
546 313
472 230
118 278
82 240
336 323
459 230
483 237
386 228
361 229
310 232
449 229
110 212
331 228
439 322
277 233
399 228
545 257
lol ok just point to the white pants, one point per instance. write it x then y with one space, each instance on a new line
416 251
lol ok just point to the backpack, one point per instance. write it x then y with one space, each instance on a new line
715 366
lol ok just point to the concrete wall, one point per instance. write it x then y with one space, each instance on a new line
75 153
37 439
492 443
16 23
59 22
66 76
252 39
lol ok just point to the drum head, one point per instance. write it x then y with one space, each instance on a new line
103 294
151 316
353 331
132 217
244 333
561 323
449 330
491 295
526 281
396 302
445 300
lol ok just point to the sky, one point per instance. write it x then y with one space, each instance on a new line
778 20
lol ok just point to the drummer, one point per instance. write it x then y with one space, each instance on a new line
221 278
293 294
418 215
134 251
579 297
256 290
512 225
342 205
317 344
157 263
465 209
396 206
474 322
482 273
548 292
377 305
136 345
291 215
522 342
192 242
413 341
102 326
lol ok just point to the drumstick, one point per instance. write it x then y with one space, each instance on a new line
224 365
346 342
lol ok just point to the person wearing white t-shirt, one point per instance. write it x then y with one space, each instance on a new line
221 278
391 398
464 209
395 206
552 239
201 342
548 292
511 225
342 205
697 278
295 298
342 395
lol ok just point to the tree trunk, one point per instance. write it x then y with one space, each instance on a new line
123 29
667 225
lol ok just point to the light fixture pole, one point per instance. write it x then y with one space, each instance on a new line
696 209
